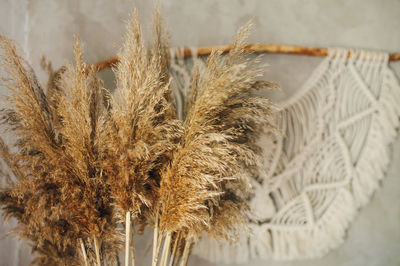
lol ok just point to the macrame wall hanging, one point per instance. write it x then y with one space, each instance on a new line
325 166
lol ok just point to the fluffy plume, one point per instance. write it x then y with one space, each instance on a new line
142 129
205 187
60 196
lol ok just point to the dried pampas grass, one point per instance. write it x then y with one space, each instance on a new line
141 129
60 195
205 186
89 162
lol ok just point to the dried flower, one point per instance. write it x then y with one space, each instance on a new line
85 158
205 187
60 195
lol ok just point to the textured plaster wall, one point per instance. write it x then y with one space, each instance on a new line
46 28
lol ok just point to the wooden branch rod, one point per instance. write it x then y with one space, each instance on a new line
255 48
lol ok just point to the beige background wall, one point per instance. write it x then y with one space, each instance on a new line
46 27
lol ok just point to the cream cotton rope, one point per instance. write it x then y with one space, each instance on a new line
333 151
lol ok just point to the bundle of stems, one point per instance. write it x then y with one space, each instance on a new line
88 162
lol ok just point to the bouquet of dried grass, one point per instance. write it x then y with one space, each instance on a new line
59 196
205 187
88 161
141 130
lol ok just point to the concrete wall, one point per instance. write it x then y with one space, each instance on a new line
46 27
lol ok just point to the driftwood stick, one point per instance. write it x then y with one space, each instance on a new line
255 48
